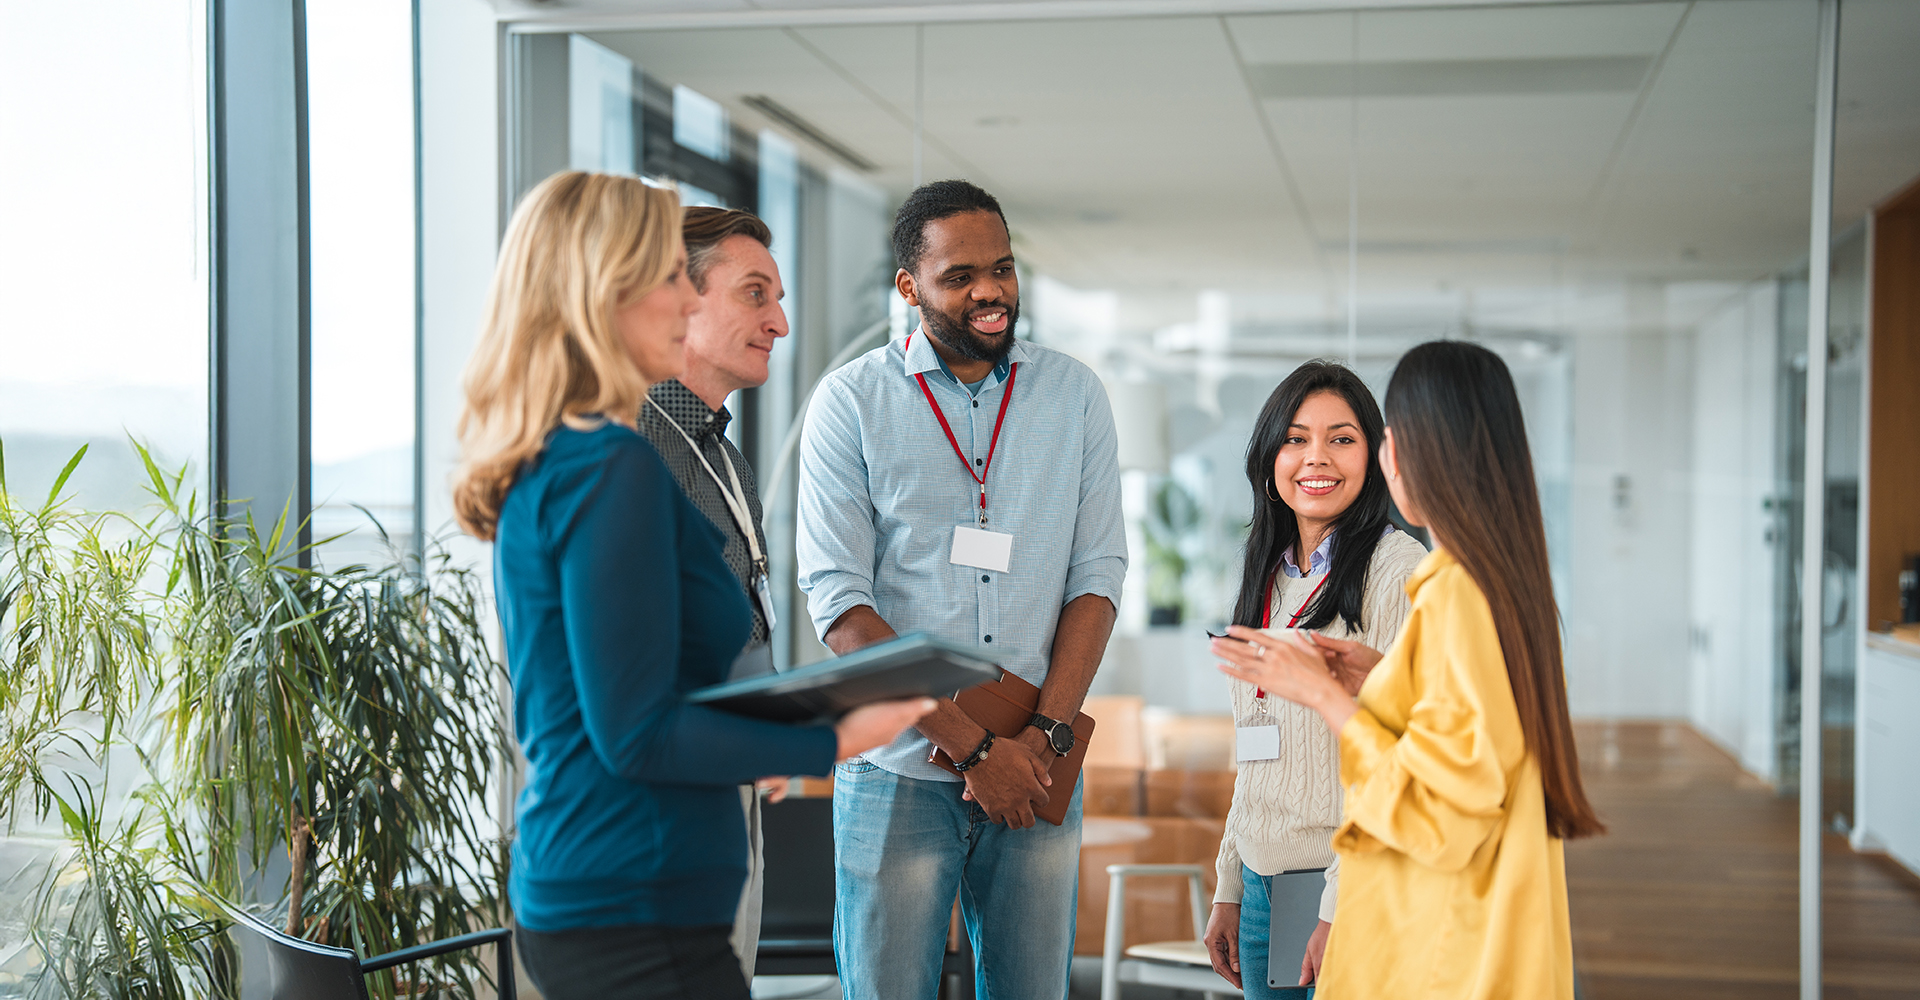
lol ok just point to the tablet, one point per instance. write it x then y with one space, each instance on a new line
906 667
1294 899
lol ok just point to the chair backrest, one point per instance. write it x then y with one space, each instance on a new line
799 882
276 966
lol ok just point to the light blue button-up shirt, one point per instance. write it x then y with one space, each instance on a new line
1316 563
881 491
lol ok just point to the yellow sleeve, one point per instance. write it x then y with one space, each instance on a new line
1433 791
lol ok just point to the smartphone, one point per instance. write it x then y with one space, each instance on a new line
1212 635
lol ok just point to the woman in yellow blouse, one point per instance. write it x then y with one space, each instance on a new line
1458 757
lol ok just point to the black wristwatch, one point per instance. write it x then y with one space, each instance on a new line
979 754
1059 734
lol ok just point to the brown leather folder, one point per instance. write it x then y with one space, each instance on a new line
1003 707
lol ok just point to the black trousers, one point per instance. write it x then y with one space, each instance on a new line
633 962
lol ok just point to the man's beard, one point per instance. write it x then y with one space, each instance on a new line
960 337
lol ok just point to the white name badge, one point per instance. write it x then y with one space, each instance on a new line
1256 743
988 550
763 592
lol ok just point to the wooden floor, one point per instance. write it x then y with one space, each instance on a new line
1693 891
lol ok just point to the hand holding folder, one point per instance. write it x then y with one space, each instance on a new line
1003 708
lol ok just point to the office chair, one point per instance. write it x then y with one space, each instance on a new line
276 966
796 911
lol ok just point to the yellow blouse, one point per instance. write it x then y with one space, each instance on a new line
1450 885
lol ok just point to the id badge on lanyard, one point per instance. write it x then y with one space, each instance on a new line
1259 737
735 497
979 547
763 590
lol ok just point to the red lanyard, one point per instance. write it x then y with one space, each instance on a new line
1005 397
1266 615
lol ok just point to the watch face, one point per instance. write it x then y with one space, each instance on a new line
1062 739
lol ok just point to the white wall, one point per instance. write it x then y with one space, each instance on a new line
460 231
1733 628
1626 612
459 203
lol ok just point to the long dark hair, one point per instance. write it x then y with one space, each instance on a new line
1461 444
1274 528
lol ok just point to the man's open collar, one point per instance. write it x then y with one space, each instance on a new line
689 410
921 358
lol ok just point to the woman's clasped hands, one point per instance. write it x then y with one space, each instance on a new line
1303 667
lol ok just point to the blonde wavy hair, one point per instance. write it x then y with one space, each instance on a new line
578 245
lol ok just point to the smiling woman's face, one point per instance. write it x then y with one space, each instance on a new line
1323 461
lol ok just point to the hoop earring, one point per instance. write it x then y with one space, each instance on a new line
1272 494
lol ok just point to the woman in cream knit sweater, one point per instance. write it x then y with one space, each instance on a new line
1321 555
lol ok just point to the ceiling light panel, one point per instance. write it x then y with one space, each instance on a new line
1449 77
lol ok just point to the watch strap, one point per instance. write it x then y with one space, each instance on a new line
1051 728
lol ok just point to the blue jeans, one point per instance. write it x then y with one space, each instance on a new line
1256 915
903 848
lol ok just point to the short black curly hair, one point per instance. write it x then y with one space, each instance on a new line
931 203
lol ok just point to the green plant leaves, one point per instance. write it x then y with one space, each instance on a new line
60 481
249 690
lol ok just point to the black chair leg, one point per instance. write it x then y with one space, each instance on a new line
506 987
957 973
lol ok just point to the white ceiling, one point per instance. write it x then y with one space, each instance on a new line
1494 149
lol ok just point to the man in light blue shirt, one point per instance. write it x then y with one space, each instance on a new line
964 484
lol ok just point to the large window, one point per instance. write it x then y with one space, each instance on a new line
103 266
361 158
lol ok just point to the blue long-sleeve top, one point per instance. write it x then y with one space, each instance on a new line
615 601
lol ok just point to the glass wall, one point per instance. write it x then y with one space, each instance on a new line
103 266
361 163
1612 197
828 215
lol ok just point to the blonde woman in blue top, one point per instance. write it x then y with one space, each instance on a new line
615 600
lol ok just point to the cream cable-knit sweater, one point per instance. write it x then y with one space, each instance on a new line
1285 810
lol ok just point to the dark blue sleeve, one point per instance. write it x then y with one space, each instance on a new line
621 595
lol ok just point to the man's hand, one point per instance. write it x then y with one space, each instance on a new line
1037 744
1316 950
1222 939
1008 784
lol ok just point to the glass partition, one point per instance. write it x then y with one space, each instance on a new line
1612 197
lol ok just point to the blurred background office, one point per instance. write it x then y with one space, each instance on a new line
1616 197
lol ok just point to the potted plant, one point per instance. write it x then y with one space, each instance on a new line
315 744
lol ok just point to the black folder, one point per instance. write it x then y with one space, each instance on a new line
906 667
